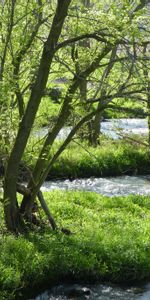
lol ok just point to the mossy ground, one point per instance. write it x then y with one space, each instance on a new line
110 241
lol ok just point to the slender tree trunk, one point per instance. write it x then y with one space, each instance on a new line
16 61
8 37
42 163
28 201
30 113
84 86
46 210
148 107
19 96
147 81
96 125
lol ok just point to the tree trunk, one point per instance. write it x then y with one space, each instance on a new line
148 107
11 216
8 38
96 126
147 81
27 202
30 113
42 163
98 117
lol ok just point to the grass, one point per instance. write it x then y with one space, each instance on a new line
111 158
110 241
49 110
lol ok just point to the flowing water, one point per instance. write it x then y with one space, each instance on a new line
113 128
111 186
96 292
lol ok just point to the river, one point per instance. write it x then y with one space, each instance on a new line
113 128
95 292
110 186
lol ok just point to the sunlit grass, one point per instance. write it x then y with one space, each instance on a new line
109 241
111 158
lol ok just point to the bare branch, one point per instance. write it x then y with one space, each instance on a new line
93 35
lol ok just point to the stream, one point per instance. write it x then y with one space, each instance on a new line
110 186
95 292
113 128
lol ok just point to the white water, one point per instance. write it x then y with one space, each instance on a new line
111 186
97 292
113 128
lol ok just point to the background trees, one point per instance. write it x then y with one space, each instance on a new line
94 48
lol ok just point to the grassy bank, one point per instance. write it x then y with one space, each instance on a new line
110 241
79 160
111 158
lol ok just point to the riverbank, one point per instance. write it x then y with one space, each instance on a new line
79 160
111 158
109 242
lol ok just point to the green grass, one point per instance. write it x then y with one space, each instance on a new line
111 158
110 241
49 110
47 113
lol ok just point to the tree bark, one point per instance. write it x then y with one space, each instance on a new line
42 163
8 37
147 81
148 107
30 113
28 204
96 124
46 210
17 59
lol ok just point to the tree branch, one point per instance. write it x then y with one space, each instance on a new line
107 98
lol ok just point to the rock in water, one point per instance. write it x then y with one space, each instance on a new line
78 292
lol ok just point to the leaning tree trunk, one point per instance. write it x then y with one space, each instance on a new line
34 190
41 165
11 175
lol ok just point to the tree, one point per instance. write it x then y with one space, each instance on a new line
10 206
46 47
130 63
